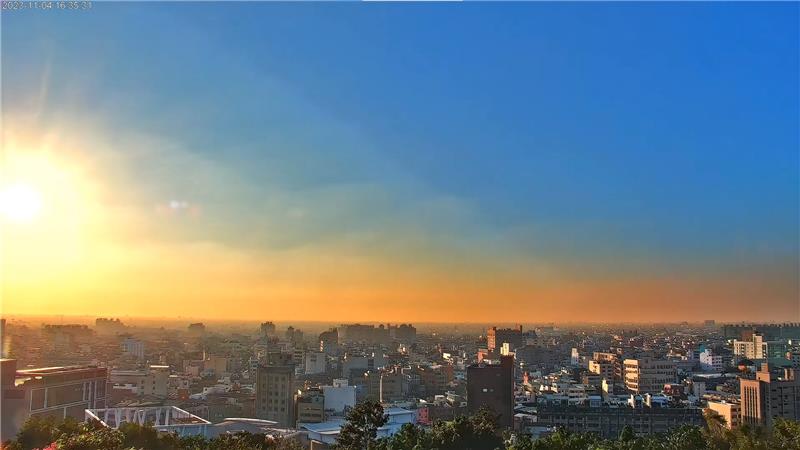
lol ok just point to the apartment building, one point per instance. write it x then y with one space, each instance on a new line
275 393
772 393
51 391
648 375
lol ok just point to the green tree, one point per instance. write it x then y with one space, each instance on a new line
361 430
627 434
520 442
786 435
103 438
142 437
192 443
37 432
478 432
409 437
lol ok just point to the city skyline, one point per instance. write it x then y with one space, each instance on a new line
342 163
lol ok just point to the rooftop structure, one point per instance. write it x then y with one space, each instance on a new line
169 419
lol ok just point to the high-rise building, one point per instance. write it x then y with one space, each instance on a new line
58 392
3 338
496 337
756 346
315 362
133 347
329 341
612 358
197 329
367 334
267 329
108 326
648 375
492 385
294 335
405 333
603 368
275 391
770 394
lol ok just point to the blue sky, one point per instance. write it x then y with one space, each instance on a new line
614 137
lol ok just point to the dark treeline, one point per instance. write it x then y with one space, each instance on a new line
477 432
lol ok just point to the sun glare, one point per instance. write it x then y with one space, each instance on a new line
20 203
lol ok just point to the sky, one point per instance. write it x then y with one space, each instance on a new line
429 162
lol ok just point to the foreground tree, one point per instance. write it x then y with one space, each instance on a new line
478 432
361 430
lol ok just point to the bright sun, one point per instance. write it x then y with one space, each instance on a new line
20 203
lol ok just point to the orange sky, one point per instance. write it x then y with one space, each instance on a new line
247 171
87 254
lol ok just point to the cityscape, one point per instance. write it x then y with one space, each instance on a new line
399 225
300 384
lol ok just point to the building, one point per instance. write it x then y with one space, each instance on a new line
492 385
758 347
366 334
496 337
329 341
770 394
275 393
382 385
294 335
648 375
152 381
108 326
612 358
216 364
770 330
435 379
133 347
359 363
711 361
339 397
67 337
197 329
605 369
608 422
310 406
52 391
729 411
315 362
323 435
405 333
267 329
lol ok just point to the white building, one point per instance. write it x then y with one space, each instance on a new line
711 362
575 357
133 347
327 432
338 397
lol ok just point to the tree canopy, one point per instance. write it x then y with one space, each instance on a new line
477 432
